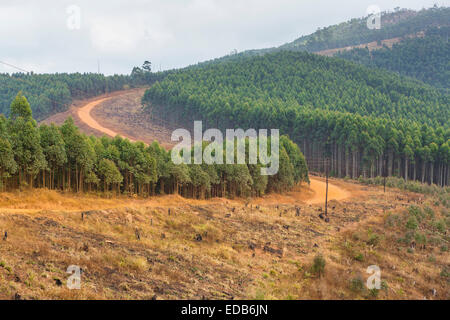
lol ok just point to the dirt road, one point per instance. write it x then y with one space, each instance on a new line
84 113
319 189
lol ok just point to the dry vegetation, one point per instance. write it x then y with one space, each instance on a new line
262 250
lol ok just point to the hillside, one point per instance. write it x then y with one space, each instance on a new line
355 114
425 58
400 23
169 247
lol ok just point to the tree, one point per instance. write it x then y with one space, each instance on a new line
7 164
80 154
147 66
54 150
25 143
20 108
111 175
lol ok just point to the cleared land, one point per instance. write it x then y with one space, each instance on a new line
220 248
116 113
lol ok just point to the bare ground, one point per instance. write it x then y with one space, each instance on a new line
247 250
118 113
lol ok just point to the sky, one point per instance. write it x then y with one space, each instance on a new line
113 36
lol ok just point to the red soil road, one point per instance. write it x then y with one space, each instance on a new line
319 189
84 113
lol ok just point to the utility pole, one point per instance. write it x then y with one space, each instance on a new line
326 192
384 173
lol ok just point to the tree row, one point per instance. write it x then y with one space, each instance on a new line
62 158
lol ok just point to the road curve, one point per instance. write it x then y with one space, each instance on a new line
84 113
319 189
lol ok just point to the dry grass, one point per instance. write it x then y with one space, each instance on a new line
247 254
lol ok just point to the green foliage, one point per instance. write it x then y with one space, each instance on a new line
64 158
373 240
440 225
445 273
52 93
357 285
20 107
413 186
412 223
424 58
248 90
416 212
318 266
400 23
354 112
108 170
359 257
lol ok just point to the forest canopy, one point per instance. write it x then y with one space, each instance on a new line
425 58
358 116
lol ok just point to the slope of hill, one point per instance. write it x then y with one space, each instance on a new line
401 23
223 249
424 58
356 114
396 28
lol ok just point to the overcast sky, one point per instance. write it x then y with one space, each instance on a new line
43 36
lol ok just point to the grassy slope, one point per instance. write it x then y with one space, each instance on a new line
253 253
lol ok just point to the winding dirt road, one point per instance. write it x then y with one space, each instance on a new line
84 113
317 188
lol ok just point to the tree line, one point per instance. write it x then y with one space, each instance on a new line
62 158
367 122
52 93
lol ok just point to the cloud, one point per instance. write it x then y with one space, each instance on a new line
170 33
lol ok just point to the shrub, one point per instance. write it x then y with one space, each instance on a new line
374 292
318 267
416 212
420 238
374 239
445 273
412 223
440 226
357 285
429 212
359 257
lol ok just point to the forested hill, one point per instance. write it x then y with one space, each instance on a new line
400 23
424 58
52 93
300 79
360 113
